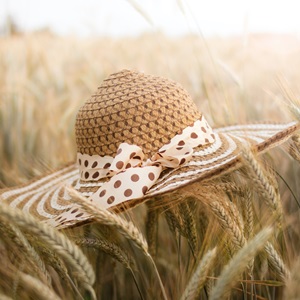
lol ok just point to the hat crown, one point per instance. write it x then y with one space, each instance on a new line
134 108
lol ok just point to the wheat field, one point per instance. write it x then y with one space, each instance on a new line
234 237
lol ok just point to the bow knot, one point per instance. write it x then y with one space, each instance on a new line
131 176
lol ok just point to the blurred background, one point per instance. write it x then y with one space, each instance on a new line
119 18
239 60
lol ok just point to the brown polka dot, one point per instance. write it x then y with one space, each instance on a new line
117 184
74 211
86 163
135 177
128 166
203 129
128 193
110 200
194 135
182 161
106 166
206 141
79 215
212 135
144 189
162 151
119 164
102 193
95 175
186 153
179 148
181 143
79 161
86 175
132 154
94 165
137 157
119 151
151 176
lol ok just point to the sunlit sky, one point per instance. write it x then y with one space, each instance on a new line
173 17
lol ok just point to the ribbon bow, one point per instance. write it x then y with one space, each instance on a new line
131 176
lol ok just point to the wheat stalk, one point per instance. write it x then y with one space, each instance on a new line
238 263
199 277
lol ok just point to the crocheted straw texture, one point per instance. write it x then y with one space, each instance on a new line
135 108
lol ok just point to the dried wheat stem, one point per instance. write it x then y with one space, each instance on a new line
263 184
105 217
62 245
276 262
228 224
110 248
237 264
197 281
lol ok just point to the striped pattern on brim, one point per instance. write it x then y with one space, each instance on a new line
48 197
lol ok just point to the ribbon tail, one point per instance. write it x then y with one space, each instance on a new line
132 183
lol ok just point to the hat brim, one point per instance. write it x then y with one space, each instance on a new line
48 197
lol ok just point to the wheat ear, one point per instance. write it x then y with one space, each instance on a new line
263 184
228 224
294 149
238 263
276 262
248 214
110 248
189 225
16 235
41 290
292 289
105 217
152 229
197 281
62 245
4 297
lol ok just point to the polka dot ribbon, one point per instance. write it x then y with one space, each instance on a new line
130 175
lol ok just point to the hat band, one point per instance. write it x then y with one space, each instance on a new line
131 176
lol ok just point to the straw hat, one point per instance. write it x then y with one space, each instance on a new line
137 137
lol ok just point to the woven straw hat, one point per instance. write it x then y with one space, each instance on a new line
139 136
